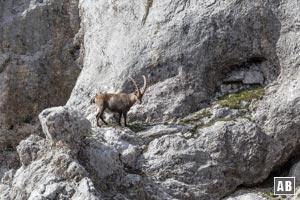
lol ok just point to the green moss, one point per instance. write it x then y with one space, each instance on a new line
137 127
196 116
131 170
7 149
233 100
213 121
145 149
269 194
147 10
194 129
247 117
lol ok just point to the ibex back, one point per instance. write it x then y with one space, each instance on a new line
119 103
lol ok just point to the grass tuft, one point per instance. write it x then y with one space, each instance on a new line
7 149
196 116
212 122
233 100
137 127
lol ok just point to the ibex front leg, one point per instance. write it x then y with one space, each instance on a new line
100 115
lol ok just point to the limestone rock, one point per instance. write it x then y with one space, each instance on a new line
64 126
161 130
253 77
247 196
221 157
295 172
37 61
86 190
185 48
28 149
47 171
9 160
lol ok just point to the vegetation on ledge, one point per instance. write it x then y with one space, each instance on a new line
137 127
197 116
233 100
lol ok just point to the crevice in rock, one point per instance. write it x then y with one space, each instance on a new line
265 188
4 60
256 71
147 10
282 169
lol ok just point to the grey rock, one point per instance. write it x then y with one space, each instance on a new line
221 112
253 77
246 196
9 160
63 126
161 130
295 172
47 171
253 73
185 48
278 115
235 76
8 176
297 194
37 61
86 190
28 149
101 159
124 141
220 158
186 56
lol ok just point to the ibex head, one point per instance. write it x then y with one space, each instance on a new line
139 93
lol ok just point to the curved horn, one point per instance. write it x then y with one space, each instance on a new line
136 87
145 85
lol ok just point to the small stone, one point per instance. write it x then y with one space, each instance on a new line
253 77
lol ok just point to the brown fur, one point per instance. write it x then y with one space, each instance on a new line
119 103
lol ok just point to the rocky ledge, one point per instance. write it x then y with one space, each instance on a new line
220 117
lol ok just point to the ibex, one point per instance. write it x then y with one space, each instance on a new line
119 103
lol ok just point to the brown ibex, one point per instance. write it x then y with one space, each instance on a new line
119 103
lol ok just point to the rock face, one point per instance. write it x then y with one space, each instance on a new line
279 113
185 48
37 61
191 52
212 162
295 172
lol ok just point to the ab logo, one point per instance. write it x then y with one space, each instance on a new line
284 185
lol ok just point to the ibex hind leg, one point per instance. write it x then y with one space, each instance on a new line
97 119
101 116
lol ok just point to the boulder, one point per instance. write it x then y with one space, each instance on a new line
212 163
63 126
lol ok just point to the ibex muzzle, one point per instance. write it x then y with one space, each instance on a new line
119 103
